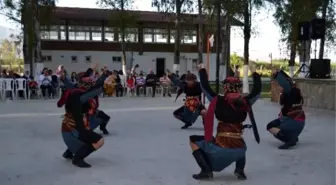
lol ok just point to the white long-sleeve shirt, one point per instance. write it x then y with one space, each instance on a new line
44 80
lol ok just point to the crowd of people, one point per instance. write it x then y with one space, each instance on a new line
118 85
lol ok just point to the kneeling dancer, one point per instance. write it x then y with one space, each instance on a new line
228 146
291 121
193 107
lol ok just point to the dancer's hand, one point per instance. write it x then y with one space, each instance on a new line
168 71
200 66
252 67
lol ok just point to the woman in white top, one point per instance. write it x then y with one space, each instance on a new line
45 83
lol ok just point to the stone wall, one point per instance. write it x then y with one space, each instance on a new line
317 93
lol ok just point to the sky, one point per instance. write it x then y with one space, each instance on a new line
264 42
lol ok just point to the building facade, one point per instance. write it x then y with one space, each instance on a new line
76 37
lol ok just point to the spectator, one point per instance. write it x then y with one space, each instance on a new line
110 84
32 85
45 83
4 73
120 83
140 82
166 85
237 72
54 83
74 78
130 83
177 74
151 81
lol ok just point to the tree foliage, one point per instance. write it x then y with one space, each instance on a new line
10 54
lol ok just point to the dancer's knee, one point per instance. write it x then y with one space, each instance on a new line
193 146
196 138
273 124
269 126
98 144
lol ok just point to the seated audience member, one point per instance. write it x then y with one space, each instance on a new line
110 84
151 81
74 78
120 84
4 74
140 82
45 83
54 83
32 86
166 85
130 83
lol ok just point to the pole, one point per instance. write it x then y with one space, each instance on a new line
208 62
217 45
208 55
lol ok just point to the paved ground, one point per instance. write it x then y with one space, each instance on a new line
148 148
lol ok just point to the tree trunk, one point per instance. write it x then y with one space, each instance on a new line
324 15
176 66
291 62
123 48
200 33
247 36
36 31
225 60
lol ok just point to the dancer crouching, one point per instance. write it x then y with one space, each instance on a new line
215 154
291 121
77 134
100 119
193 107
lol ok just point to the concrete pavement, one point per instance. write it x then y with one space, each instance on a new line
147 147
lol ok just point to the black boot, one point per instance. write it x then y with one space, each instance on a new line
288 145
103 128
83 152
186 125
206 171
239 171
68 154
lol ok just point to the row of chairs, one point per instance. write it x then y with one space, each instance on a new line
159 90
14 86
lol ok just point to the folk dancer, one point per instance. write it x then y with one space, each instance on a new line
228 146
193 107
291 120
81 140
101 119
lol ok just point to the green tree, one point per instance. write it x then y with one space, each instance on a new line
121 18
178 7
9 55
289 13
29 14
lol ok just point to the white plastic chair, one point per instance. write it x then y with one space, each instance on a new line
149 89
159 90
167 89
2 88
21 85
9 86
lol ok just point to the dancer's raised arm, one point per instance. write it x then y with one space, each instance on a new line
175 81
208 92
256 89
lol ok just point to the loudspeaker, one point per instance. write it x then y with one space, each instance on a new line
303 31
319 68
318 28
